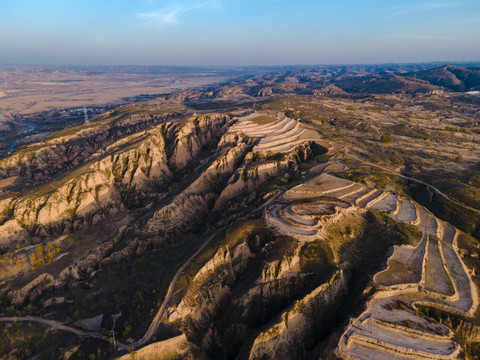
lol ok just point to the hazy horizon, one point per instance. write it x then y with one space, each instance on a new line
237 33
236 66
467 63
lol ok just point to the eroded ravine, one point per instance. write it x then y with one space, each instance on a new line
428 273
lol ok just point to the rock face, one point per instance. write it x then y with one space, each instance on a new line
33 289
56 154
134 176
216 286
174 348
119 181
13 232
252 175
198 199
265 296
288 336
198 155
104 184
187 141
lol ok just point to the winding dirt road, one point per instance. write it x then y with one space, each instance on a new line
58 325
456 202
156 320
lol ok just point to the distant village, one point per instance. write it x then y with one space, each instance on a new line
81 111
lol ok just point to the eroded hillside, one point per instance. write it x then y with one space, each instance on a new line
313 225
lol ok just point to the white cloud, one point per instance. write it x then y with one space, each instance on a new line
412 8
171 17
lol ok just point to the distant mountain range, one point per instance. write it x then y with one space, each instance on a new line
386 83
452 77
355 79
440 79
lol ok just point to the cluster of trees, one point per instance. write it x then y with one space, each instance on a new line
43 254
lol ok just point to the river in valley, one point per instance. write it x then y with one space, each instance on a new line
30 128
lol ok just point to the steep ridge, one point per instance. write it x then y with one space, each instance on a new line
267 160
198 199
198 152
68 148
265 295
122 180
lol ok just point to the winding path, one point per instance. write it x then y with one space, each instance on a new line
156 320
58 325
412 179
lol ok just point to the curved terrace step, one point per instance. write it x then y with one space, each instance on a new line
368 197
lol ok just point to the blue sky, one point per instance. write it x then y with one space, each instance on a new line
237 32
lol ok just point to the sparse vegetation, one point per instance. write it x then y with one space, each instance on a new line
263 120
386 139
254 277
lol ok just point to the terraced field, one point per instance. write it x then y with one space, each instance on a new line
279 136
428 273
404 266
388 202
326 185
436 276
303 220
365 200
405 211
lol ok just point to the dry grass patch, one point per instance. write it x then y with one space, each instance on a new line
7 182
404 266
263 120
